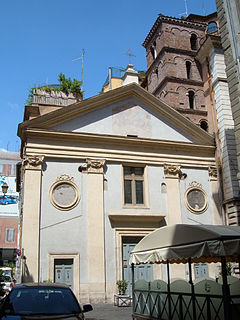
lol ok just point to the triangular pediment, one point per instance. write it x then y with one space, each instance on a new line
127 111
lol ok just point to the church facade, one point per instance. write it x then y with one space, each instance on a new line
102 173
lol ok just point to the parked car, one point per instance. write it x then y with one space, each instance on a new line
6 271
8 199
42 301
6 282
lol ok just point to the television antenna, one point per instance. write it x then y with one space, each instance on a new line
203 8
80 58
186 10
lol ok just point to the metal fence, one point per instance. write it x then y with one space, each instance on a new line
153 304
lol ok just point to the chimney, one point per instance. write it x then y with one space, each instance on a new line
130 76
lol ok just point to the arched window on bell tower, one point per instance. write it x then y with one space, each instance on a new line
189 69
154 50
193 41
212 27
191 97
204 125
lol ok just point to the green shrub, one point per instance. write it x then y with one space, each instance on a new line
122 287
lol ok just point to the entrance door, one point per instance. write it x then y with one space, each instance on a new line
63 271
141 272
201 270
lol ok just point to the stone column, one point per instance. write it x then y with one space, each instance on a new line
31 216
96 247
171 173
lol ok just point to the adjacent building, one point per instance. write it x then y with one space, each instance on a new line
9 208
229 18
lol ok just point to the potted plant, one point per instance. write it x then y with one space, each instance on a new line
122 287
122 299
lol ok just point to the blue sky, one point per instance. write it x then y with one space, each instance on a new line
39 39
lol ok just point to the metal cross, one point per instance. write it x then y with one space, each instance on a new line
129 54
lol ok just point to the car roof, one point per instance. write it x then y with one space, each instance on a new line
41 284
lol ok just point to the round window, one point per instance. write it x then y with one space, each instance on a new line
64 195
196 200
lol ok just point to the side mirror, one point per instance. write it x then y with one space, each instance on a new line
87 307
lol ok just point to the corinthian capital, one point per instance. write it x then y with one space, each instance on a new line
33 162
212 171
171 171
95 165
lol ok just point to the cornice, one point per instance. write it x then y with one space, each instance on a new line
118 149
211 42
126 92
41 134
193 111
172 20
136 218
178 80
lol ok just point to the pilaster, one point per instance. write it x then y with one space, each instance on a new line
173 193
96 246
32 166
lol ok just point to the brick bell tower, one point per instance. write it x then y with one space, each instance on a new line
174 75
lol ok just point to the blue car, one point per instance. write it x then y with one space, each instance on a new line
8 199
42 301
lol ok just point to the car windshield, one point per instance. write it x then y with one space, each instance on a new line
5 278
41 301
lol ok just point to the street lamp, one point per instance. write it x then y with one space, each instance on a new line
4 188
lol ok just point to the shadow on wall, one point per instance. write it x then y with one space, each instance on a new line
227 171
26 276
217 200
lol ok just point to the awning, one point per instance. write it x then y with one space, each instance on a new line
178 243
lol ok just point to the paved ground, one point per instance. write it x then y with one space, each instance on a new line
109 312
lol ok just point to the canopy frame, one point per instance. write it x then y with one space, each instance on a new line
221 236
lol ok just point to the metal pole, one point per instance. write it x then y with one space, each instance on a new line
110 77
133 288
192 288
169 292
225 290
239 265
150 299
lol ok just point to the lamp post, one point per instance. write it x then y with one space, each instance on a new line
4 188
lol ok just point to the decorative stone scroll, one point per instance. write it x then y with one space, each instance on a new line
212 173
95 165
64 177
33 162
171 171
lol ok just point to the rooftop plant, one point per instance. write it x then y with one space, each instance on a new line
66 85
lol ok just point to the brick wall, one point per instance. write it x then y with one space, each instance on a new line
173 70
